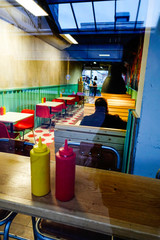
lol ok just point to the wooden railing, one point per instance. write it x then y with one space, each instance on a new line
106 136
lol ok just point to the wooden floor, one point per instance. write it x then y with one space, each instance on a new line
21 226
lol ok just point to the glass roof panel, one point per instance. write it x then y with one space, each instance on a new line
128 6
84 15
143 12
104 12
65 17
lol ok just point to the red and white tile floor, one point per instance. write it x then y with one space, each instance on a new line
47 135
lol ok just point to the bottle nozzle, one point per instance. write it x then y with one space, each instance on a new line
66 145
66 150
40 142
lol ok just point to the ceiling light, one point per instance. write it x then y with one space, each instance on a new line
69 38
104 55
32 7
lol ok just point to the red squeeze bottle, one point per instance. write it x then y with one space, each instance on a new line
1 110
65 173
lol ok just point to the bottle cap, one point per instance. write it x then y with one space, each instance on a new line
40 147
65 151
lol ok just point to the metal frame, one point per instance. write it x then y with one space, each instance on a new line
103 147
71 31
7 222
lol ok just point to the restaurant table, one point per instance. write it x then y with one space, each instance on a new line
66 99
105 201
13 117
50 104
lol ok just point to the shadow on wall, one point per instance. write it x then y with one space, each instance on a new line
114 82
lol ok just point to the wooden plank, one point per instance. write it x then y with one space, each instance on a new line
111 111
89 137
109 131
113 95
111 108
106 136
59 142
121 102
108 202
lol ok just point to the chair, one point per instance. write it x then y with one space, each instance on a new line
27 123
57 109
15 146
71 102
64 107
20 148
96 156
4 132
90 155
44 112
48 230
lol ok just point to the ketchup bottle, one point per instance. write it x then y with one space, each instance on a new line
65 173
1 110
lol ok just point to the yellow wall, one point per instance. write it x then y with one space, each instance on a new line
26 61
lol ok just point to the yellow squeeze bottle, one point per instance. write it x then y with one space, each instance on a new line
40 169
4 110
42 100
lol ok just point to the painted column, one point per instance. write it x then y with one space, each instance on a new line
147 159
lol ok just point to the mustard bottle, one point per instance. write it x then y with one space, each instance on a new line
4 110
40 169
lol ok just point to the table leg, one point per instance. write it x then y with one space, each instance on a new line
11 127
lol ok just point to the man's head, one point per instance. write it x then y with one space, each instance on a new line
101 105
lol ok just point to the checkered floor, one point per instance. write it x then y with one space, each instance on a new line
47 135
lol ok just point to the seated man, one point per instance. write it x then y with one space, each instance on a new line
101 117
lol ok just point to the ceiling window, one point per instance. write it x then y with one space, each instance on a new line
65 17
84 15
104 14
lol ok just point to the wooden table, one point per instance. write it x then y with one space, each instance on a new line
66 98
105 201
50 104
13 117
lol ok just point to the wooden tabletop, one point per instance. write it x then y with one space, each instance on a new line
50 104
105 201
12 117
66 98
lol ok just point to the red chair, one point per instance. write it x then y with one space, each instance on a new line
27 123
64 107
57 109
4 132
44 112
71 102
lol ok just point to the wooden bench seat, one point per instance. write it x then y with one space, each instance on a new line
116 105
106 136
122 115
122 111
120 102
113 95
